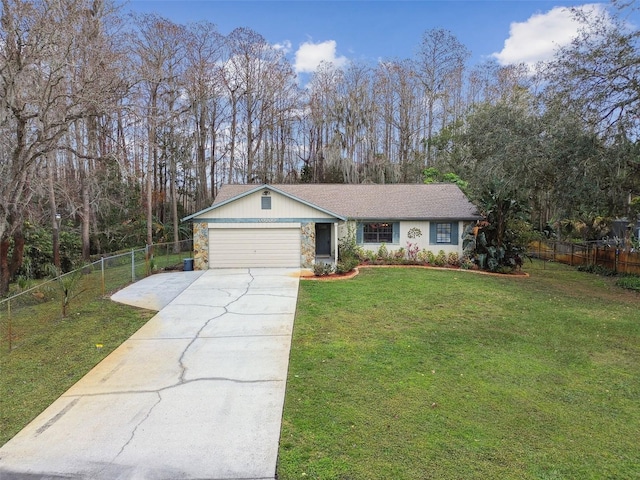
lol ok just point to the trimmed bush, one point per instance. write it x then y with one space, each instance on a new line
347 264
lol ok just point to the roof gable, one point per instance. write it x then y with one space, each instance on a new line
233 195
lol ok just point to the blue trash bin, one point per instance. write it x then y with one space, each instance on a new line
187 265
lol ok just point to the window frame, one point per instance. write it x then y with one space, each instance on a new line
437 235
395 232
443 233
377 229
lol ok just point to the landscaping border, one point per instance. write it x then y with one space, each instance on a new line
356 271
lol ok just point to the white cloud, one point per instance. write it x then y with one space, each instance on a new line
536 39
309 55
284 46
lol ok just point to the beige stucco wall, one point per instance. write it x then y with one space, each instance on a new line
405 226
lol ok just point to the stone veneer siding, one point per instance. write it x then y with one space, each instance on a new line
200 246
308 245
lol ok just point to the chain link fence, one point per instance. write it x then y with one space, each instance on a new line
27 314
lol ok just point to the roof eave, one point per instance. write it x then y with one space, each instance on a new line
419 219
257 189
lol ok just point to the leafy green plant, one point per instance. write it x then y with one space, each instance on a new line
399 254
383 252
453 259
634 207
466 263
630 283
500 240
321 269
433 175
68 284
348 246
37 257
367 255
346 265
440 259
23 283
597 270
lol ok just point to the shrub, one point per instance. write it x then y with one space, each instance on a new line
347 265
630 283
597 269
466 263
369 256
348 246
399 254
441 259
412 251
383 252
504 269
423 255
453 259
501 239
321 269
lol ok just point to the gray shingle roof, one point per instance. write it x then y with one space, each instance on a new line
373 201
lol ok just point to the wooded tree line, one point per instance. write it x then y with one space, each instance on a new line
113 127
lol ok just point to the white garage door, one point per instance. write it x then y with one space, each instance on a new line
254 247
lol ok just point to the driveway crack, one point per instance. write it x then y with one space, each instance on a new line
181 380
183 367
135 429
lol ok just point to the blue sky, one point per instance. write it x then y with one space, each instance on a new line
370 30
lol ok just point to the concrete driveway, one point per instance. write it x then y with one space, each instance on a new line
197 393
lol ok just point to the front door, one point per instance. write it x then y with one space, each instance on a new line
323 239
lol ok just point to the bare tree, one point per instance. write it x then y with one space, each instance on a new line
39 100
399 93
204 89
441 58
159 50
598 72
321 96
255 72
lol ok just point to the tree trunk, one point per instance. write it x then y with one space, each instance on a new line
53 210
5 276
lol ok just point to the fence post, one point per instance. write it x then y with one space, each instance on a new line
572 251
10 332
102 274
147 259
133 266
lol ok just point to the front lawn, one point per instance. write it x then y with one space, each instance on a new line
421 374
54 353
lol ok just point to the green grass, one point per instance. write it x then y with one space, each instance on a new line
48 353
44 366
42 354
423 374
629 282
